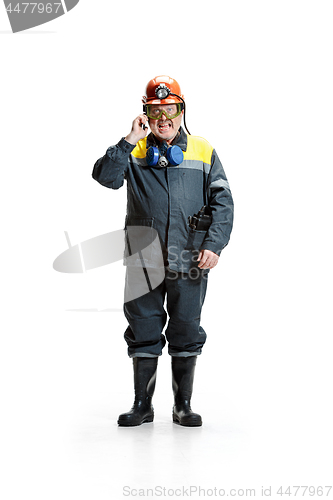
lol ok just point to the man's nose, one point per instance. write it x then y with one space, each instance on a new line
163 117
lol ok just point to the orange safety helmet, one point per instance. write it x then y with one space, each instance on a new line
158 83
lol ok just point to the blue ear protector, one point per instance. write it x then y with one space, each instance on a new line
174 156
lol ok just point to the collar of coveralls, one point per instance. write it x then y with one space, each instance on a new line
180 140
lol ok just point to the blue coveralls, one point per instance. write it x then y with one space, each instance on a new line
164 198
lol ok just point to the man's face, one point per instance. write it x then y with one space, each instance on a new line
165 129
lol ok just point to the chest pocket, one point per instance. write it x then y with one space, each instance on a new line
193 184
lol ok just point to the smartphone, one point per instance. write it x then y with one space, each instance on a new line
143 125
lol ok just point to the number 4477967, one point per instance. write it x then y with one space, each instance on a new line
311 491
30 7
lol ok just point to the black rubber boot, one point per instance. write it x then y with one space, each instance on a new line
144 386
182 385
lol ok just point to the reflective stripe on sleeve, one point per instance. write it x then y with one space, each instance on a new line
219 183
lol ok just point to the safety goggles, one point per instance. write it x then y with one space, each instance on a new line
155 111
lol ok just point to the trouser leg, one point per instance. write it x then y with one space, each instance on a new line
146 317
185 297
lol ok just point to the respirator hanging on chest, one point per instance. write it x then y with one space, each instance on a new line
172 155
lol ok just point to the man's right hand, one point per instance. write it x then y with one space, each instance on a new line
137 131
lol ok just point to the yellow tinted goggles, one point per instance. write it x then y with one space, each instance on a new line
155 111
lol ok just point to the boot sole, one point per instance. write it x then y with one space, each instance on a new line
194 423
125 423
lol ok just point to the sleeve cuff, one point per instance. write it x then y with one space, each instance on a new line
213 247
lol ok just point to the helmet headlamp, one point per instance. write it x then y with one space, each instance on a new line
162 91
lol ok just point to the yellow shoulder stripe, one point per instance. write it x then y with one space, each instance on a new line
140 149
198 149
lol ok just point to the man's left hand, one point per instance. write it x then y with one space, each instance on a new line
208 259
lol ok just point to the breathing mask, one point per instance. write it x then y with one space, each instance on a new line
164 156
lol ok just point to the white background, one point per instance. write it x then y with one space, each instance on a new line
257 78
